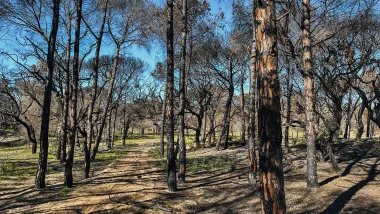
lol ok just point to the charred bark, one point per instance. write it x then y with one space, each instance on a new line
311 159
74 99
171 159
269 107
44 134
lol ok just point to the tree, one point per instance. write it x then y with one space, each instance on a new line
172 182
311 160
44 134
269 107
182 98
74 98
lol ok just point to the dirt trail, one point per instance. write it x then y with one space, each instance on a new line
137 184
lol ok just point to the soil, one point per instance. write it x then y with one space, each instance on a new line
136 183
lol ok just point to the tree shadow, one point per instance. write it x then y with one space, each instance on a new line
363 150
346 196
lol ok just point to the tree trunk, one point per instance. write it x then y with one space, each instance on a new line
182 98
93 95
211 136
346 134
269 115
289 90
109 132
204 132
59 143
368 133
114 128
242 103
311 159
252 160
334 164
360 123
108 102
74 99
226 118
66 107
44 134
171 159
163 126
125 130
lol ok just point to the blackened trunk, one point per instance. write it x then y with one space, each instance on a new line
368 133
163 126
242 104
269 107
171 159
44 134
74 99
204 132
211 136
109 131
289 89
93 95
108 102
182 98
311 159
360 123
330 151
346 134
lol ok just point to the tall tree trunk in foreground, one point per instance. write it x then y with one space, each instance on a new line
172 180
93 95
44 134
182 98
252 172
311 160
74 99
269 115
66 107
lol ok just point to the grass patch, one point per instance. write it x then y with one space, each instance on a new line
64 191
195 165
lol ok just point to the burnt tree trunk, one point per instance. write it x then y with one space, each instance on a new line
109 131
44 134
163 126
226 117
347 127
360 123
74 99
289 90
93 95
311 159
242 104
171 159
269 107
182 98
108 101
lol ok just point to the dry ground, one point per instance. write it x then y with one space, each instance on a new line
135 183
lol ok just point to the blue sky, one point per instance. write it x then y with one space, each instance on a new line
155 53
151 57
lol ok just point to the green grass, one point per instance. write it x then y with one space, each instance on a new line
65 191
195 165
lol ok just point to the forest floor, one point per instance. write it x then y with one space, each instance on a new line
134 181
